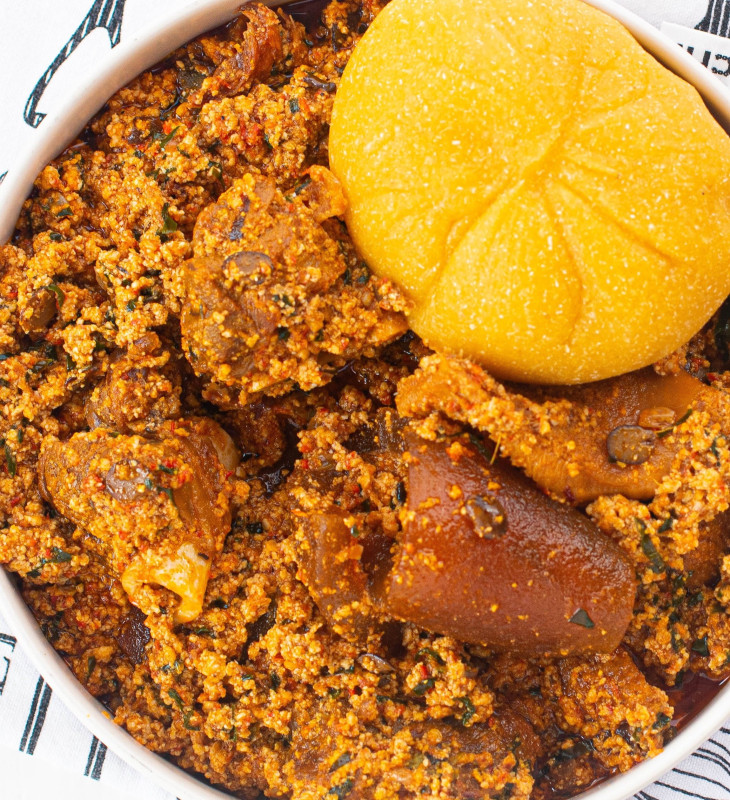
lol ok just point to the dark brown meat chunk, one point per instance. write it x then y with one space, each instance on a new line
272 298
162 505
570 440
487 558
141 389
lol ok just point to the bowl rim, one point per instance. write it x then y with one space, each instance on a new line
134 54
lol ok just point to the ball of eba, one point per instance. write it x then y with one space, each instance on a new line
554 201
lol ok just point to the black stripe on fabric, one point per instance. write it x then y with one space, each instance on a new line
31 714
699 775
99 762
40 719
683 791
716 13
723 22
6 639
95 761
646 796
715 758
92 755
717 744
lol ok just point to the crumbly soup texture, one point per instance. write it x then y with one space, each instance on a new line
286 544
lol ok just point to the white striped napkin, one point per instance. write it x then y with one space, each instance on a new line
44 48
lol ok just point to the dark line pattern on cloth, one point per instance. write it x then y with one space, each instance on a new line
645 796
95 761
36 717
11 641
699 776
716 19
683 791
714 758
721 746
106 14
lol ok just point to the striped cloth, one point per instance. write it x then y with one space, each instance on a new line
67 39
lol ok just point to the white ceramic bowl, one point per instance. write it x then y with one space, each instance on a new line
131 57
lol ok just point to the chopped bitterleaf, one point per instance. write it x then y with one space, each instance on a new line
10 462
429 652
666 525
164 138
687 414
662 720
168 223
423 686
700 647
650 551
60 296
340 761
176 698
342 789
581 618
470 710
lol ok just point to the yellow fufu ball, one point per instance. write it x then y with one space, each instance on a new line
553 200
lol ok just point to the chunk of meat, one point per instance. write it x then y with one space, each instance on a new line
487 558
702 565
332 570
142 388
275 296
261 46
578 442
607 700
161 505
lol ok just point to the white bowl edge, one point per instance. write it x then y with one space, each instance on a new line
128 59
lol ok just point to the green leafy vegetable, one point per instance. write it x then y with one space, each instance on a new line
581 618
340 761
423 686
60 296
164 138
470 710
700 646
168 223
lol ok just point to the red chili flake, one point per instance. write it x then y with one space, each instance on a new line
14 502
424 671
12 294
229 473
304 463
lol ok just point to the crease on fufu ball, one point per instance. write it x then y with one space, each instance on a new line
553 200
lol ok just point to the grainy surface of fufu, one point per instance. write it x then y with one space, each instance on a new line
554 201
